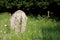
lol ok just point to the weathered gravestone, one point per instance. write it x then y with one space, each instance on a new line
18 21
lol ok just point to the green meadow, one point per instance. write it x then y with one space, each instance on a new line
36 29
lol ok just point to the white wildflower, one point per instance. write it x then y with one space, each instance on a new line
5 25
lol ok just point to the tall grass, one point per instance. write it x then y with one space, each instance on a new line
36 29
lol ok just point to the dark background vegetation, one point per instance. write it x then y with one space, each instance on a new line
34 7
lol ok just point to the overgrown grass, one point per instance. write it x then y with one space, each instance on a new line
36 29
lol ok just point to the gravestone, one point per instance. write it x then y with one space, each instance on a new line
18 21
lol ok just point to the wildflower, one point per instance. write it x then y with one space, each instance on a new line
5 25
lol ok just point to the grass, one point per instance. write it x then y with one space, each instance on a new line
36 29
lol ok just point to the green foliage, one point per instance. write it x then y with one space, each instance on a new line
29 6
58 2
10 3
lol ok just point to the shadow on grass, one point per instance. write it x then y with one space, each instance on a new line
51 33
